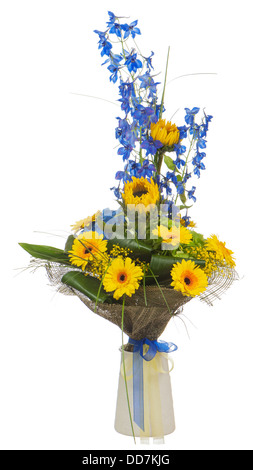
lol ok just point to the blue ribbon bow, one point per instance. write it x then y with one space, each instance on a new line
139 355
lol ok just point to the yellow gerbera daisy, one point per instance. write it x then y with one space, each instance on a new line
173 236
85 222
87 247
165 132
220 249
141 191
122 277
188 278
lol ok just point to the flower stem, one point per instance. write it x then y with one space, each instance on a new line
160 154
165 79
124 367
159 161
186 161
141 159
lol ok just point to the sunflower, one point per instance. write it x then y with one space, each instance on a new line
221 251
141 191
173 236
85 222
87 247
165 132
188 278
122 277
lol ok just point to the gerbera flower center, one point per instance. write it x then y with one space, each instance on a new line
122 277
189 278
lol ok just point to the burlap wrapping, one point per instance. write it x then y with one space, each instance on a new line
141 321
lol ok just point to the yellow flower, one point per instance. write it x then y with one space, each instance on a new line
188 278
141 191
85 222
201 252
87 247
122 277
166 133
173 236
220 249
182 222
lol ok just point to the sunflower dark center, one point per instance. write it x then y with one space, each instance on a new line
140 192
86 251
187 281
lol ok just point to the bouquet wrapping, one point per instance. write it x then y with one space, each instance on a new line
139 264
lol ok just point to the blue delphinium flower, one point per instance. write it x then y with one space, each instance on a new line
179 149
201 143
114 66
144 115
123 176
171 176
103 43
147 82
131 29
114 70
190 113
180 187
150 145
116 192
112 19
191 194
116 29
126 149
186 219
122 129
146 170
128 96
132 63
148 61
207 119
183 132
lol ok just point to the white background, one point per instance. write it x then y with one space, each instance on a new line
59 362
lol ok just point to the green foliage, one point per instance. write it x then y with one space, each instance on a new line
87 285
48 253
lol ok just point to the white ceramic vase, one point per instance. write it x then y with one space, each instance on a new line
157 394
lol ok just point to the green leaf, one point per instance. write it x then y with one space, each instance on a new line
139 248
169 162
180 254
183 206
69 243
87 285
197 238
183 198
48 253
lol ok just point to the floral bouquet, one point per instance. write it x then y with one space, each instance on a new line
138 265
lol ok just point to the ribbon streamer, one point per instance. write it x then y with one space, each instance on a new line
147 350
